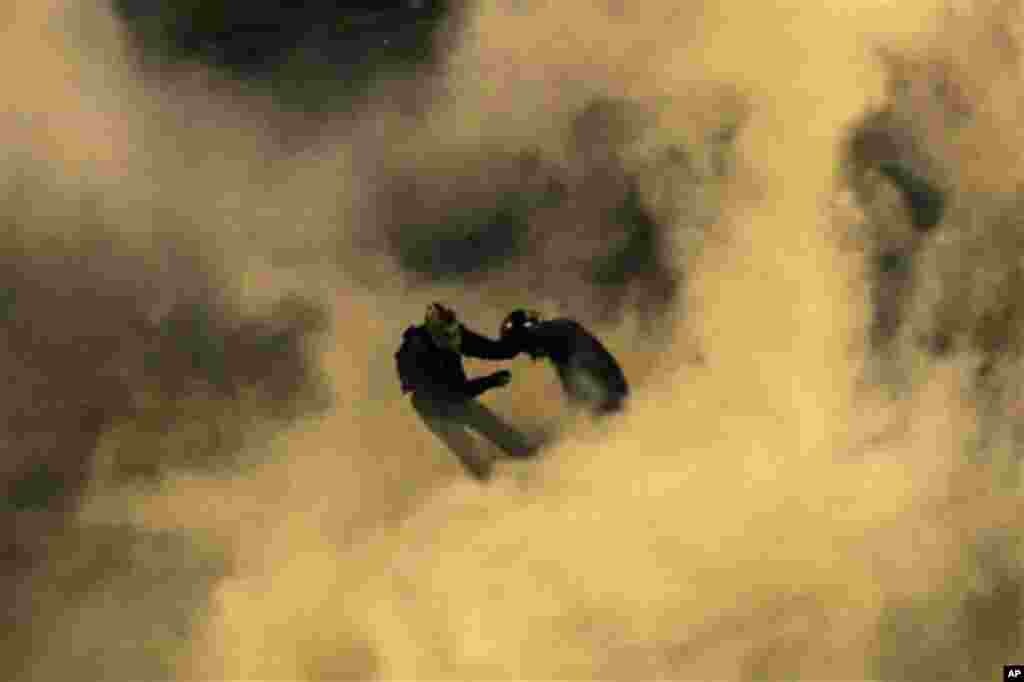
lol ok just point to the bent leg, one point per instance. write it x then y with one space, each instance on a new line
439 419
480 418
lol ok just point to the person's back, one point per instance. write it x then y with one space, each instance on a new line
430 358
425 366
589 374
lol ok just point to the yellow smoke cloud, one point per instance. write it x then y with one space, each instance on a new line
753 516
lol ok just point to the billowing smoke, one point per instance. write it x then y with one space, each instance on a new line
799 246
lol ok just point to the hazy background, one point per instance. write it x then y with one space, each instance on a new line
796 226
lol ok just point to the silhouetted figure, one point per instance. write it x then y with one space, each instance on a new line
589 374
430 367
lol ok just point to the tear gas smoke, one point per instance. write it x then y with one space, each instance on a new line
776 503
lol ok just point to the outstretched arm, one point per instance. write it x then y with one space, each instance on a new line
478 346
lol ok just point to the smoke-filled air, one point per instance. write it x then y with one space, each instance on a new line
794 224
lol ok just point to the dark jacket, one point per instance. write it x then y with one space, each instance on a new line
588 372
423 366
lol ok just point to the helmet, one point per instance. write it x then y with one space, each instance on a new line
518 321
517 324
443 326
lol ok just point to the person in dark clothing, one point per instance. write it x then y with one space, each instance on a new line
430 368
589 374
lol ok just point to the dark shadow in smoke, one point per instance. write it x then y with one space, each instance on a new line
468 242
966 632
462 225
621 244
570 235
985 319
637 259
85 339
310 54
993 613
603 127
195 340
112 602
886 144
39 488
893 139
890 289
925 202
98 331
964 294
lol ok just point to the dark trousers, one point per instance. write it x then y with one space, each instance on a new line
449 419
